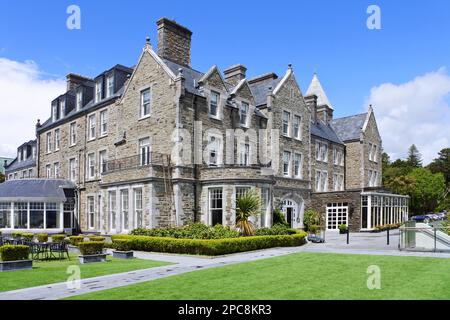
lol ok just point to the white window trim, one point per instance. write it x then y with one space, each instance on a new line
90 222
289 173
141 103
73 142
300 135
300 171
247 115
100 164
220 145
75 177
88 166
103 113
209 209
89 127
57 138
218 115
289 125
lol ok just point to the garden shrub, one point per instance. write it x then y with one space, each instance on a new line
97 238
27 236
57 238
211 247
388 227
76 240
122 245
190 231
91 247
278 217
278 229
311 218
16 235
42 237
14 252
313 228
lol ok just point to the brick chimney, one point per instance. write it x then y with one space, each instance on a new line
174 42
311 102
73 80
235 74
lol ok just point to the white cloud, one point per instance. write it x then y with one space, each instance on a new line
416 112
24 98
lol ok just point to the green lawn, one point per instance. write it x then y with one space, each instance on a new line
300 276
47 272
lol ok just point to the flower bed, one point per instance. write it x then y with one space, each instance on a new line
211 247
387 227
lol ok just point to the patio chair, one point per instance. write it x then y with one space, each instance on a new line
58 250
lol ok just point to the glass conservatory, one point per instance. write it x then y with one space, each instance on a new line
378 209
37 204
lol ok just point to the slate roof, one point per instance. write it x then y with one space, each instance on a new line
16 165
260 89
91 104
321 130
315 88
35 190
349 128
191 76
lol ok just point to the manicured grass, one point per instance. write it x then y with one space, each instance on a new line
47 272
300 276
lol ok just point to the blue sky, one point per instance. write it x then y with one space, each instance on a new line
329 37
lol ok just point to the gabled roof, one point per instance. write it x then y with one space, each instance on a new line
321 130
35 190
191 76
16 165
315 88
261 88
349 128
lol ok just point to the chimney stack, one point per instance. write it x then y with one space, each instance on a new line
174 42
74 80
235 74
311 102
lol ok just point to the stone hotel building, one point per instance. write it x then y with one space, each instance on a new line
162 144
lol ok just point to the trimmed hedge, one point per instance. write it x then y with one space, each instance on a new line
16 234
211 247
122 245
190 231
42 237
14 253
91 247
58 238
96 238
277 230
76 240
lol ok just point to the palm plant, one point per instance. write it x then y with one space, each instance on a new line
247 205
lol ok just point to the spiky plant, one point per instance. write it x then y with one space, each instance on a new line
247 205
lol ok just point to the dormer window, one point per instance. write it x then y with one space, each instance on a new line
214 104
54 111
62 108
98 90
110 86
79 100
19 155
244 114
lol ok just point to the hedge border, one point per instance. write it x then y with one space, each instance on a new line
211 247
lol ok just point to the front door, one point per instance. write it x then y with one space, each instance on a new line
289 216
337 214
290 212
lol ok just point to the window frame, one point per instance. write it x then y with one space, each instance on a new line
57 138
288 163
144 105
104 123
92 127
73 133
246 108
217 105
298 124
286 124
90 166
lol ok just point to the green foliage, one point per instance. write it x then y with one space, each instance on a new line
388 227
190 231
2 177
96 238
57 238
76 240
278 217
414 157
14 253
342 227
429 189
16 235
442 165
122 245
247 205
42 237
91 247
211 247
27 236
311 218
278 229
314 228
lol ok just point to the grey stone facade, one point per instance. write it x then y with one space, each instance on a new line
180 145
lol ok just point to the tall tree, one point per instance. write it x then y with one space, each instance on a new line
414 157
2 177
428 191
442 165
